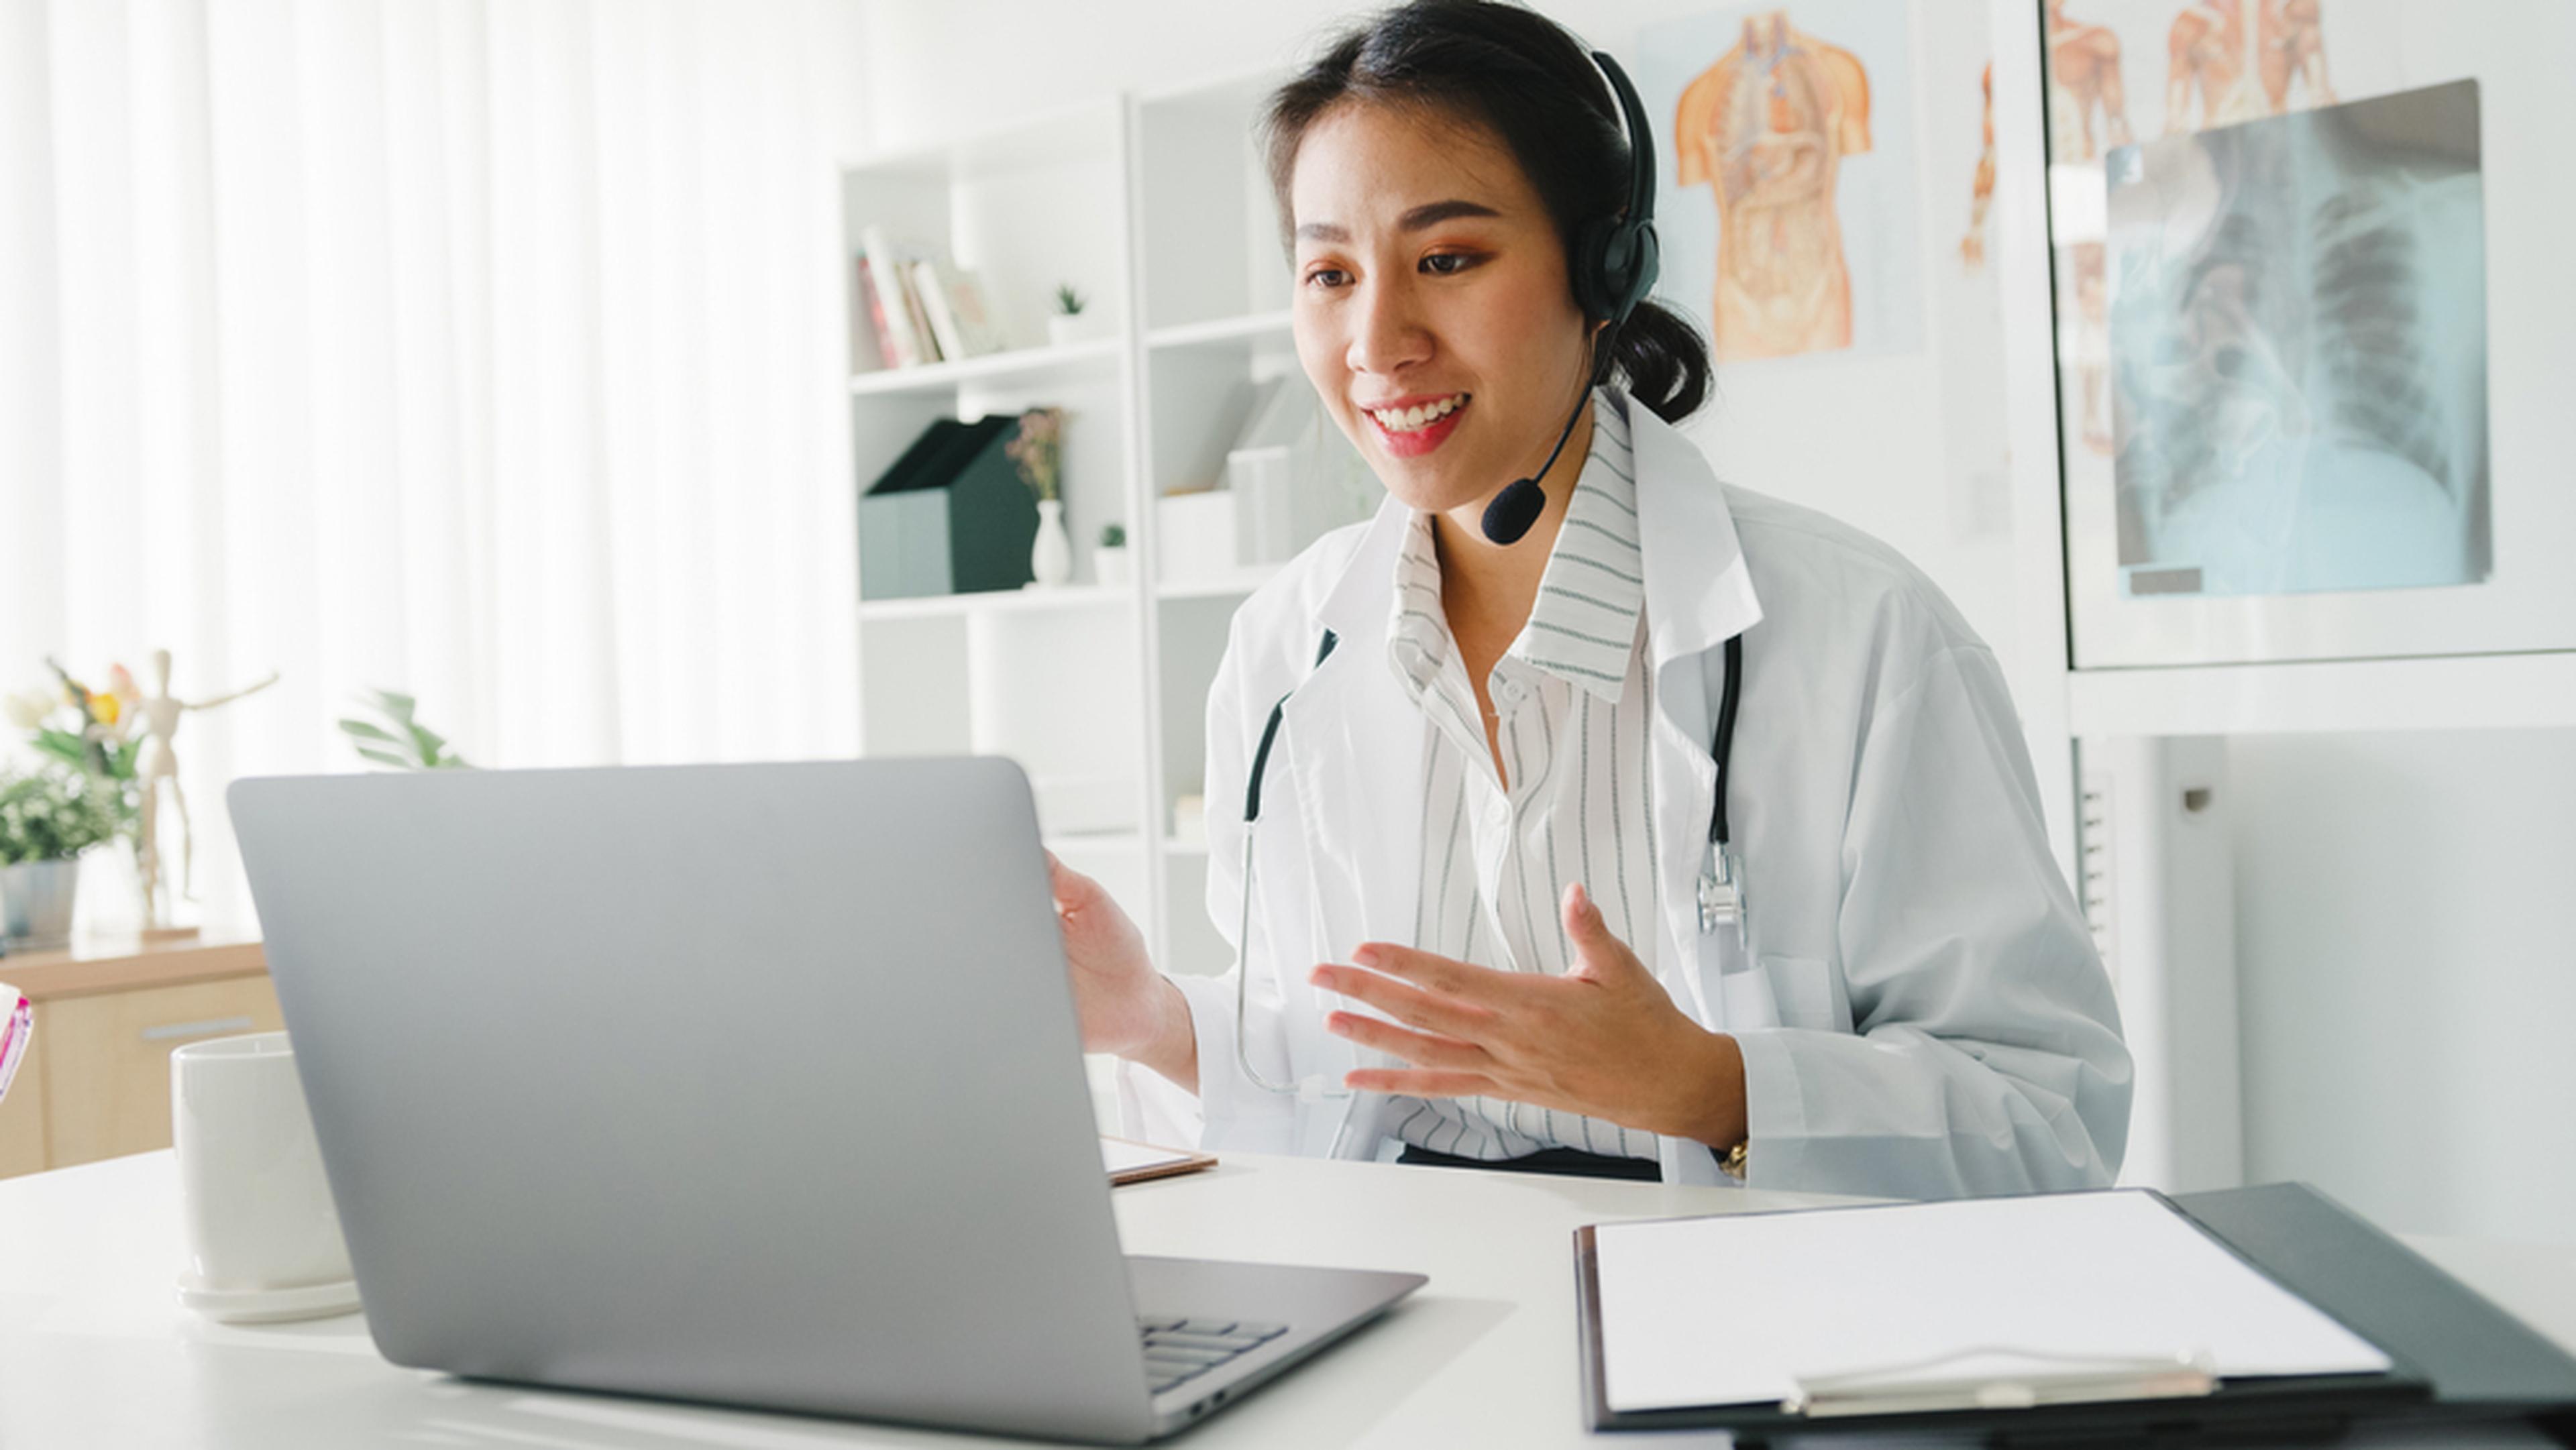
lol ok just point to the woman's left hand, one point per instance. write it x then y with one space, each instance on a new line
1603 1040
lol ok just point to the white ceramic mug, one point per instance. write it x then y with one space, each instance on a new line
256 1208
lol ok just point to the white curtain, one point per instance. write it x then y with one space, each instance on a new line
490 350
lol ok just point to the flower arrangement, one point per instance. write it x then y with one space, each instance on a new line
54 813
1038 449
90 732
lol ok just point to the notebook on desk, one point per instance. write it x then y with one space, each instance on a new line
2070 1313
1129 1161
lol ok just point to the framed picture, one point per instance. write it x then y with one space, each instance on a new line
2309 323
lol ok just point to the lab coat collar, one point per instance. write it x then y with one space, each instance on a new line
1356 607
1699 594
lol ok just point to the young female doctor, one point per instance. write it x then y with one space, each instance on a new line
1599 817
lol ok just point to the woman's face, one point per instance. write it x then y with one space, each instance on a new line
1429 277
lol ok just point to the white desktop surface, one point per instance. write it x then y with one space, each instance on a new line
95 1349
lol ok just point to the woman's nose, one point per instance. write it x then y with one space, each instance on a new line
1386 329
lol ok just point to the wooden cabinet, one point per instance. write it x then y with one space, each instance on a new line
96 1082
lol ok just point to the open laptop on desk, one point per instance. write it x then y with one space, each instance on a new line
751 1084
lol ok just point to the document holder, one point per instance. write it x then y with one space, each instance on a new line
2453 1354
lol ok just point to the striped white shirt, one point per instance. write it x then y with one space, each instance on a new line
1572 697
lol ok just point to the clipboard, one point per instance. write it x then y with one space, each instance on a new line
2452 1353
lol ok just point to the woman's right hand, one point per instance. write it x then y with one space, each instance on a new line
1125 1006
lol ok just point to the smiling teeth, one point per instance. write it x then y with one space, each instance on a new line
1407 420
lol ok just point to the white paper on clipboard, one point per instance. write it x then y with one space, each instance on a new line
1741 1309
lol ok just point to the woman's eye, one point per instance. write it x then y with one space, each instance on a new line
1325 277
1447 264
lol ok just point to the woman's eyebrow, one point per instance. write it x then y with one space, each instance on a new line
1429 214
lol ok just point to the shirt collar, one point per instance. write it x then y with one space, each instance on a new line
1417 632
1583 627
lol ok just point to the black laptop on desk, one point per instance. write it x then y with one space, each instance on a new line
2438 1351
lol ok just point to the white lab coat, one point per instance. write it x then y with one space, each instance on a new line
1922 1013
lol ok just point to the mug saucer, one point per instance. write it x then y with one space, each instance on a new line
269 1306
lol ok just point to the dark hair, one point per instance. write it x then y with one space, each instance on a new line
1523 77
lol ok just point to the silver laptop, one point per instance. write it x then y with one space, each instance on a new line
746 1084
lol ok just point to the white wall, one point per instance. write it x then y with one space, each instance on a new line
2406 970
2404 979
1878 443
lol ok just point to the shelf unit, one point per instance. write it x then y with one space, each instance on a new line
1155 207
2527 691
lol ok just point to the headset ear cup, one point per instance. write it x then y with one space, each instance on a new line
1622 267
1645 262
1595 291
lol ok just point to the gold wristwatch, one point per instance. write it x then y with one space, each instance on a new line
1733 1162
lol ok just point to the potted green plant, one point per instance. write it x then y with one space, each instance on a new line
396 741
1074 318
1109 559
48 817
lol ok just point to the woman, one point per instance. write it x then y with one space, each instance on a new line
1473 928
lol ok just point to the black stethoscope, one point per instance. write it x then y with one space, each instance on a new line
1721 874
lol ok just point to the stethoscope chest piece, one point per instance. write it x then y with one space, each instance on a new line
1721 890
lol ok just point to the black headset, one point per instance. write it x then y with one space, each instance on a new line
1613 267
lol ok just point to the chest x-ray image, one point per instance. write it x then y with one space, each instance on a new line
2298 345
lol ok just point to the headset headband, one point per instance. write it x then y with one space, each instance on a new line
1641 140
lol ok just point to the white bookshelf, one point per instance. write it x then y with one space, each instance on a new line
1155 208
1025 366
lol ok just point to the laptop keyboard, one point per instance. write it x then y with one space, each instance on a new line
1180 1350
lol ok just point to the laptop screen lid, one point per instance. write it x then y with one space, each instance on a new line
753 1083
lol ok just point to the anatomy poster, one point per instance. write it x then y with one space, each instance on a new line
1787 200
2297 343
2138 70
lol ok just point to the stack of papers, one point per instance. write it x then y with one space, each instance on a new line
1745 1309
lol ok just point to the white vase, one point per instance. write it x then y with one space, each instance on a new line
1051 557
36 904
1091 326
1109 565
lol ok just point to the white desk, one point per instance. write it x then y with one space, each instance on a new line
94 1349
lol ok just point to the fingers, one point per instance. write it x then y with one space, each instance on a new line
1598 953
1073 890
1405 1002
1422 1049
1420 1082
1582 915
1445 975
